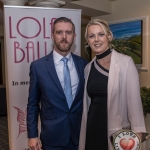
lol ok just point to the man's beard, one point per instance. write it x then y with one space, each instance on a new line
61 48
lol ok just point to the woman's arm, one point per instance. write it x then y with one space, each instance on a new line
135 110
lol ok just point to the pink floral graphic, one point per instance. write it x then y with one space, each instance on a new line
21 119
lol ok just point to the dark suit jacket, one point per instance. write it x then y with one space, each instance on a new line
58 122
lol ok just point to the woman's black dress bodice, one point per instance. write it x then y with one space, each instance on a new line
96 134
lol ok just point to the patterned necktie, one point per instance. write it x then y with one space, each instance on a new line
67 82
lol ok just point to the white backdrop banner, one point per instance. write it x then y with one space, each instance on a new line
28 38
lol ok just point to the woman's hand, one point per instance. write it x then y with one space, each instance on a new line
140 135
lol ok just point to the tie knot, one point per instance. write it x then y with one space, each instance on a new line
65 60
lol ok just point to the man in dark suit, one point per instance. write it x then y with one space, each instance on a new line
61 106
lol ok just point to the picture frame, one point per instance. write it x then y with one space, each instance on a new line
130 38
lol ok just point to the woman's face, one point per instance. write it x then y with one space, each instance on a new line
97 39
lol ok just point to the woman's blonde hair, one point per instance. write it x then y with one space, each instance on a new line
105 28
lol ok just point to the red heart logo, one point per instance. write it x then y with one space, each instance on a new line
127 144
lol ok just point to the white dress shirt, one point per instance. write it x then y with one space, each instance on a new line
59 64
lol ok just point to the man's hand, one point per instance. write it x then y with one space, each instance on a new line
34 144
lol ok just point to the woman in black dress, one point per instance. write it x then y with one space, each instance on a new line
111 96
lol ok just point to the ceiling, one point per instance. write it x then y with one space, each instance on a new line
90 8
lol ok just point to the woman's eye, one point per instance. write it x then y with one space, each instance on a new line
91 36
101 34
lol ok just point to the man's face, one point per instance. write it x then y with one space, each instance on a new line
63 36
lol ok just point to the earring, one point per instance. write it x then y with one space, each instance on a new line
86 44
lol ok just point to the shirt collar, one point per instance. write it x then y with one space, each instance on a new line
57 57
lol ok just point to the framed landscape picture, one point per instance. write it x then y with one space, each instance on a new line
128 38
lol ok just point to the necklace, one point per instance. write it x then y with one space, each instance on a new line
100 56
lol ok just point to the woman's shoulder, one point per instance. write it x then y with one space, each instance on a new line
120 57
90 63
88 67
124 61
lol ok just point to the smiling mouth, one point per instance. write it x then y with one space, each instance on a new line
97 45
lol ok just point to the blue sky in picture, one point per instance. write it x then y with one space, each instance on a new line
126 29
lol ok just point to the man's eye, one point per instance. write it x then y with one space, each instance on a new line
69 32
58 32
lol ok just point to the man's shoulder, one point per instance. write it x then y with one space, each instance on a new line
41 60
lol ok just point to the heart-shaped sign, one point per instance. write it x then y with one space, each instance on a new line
127 144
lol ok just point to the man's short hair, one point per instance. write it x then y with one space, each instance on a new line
63 19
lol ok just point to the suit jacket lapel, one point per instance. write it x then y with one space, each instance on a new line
52 71
112 74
